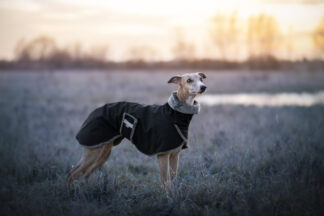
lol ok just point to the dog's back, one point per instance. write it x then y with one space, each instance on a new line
153 129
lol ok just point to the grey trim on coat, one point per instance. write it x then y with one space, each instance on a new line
179 106
165 152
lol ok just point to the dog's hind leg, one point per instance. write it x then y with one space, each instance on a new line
91 159
101 158
75 172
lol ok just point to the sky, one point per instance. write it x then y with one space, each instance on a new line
127 23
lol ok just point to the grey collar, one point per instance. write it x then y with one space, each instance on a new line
179 106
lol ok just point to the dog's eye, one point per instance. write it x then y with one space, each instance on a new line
201 79
189 80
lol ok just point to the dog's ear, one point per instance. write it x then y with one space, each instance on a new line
175 79
202 75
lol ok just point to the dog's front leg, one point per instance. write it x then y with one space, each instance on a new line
164 172
174 158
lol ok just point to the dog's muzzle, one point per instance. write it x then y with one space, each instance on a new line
202 89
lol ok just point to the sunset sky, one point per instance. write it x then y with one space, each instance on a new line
125 23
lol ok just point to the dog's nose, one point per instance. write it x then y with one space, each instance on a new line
202 88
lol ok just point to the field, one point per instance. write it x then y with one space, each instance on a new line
242 160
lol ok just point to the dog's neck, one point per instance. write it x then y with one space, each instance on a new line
183 105
185 97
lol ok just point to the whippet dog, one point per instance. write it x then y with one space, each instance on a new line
160 130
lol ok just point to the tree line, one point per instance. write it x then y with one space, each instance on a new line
258 39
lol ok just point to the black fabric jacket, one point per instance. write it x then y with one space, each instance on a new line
154 129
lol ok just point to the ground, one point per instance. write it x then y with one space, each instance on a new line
242 160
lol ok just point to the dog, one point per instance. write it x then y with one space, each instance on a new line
160 130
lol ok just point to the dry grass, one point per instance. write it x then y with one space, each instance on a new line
241 160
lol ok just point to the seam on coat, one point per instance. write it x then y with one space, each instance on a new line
180 133
103 143
85 125
134 125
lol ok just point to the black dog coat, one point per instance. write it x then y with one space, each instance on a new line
154 129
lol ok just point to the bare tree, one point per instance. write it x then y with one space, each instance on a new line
99 52
40 48
263 35
142 53
224 33
183 50
289 43
75 50
318 36
20 50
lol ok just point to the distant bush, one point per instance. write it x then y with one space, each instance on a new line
43 52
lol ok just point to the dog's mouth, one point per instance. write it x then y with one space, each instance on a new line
197 93
201 91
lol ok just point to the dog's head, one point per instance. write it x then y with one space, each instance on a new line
191 83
